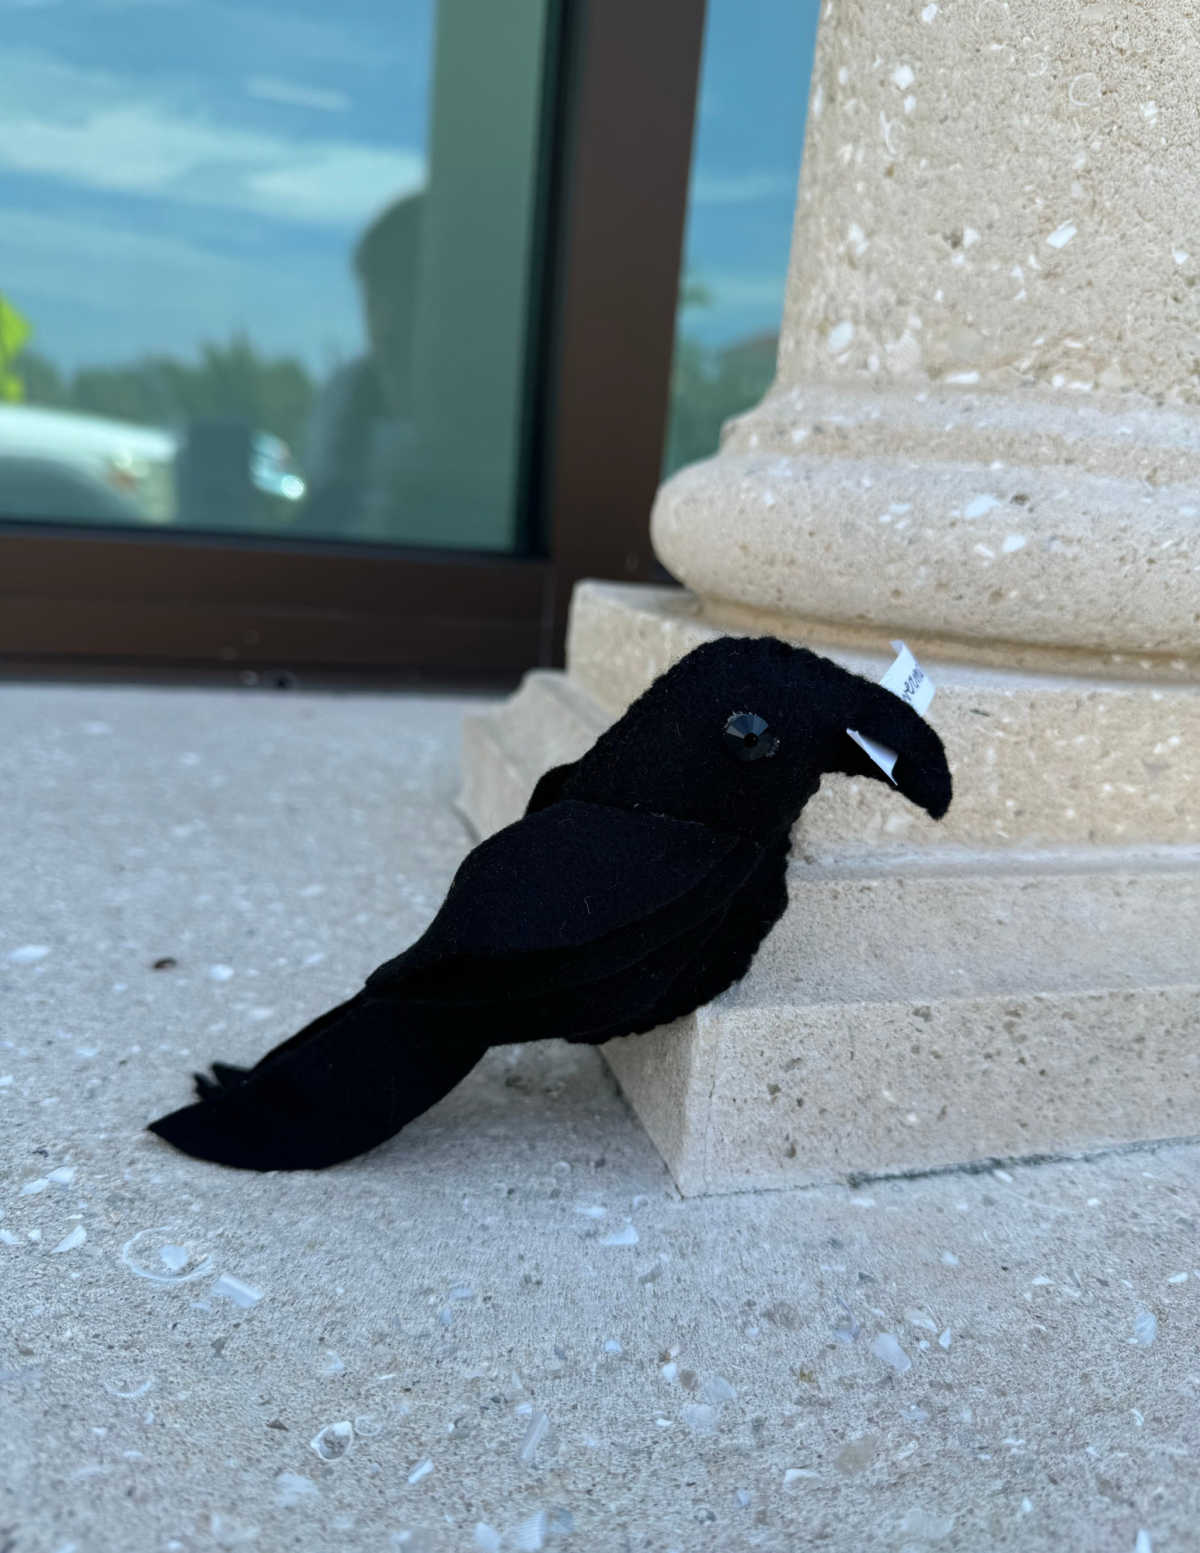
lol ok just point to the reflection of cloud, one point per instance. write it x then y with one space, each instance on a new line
98 293
332 183
268 89
81 128
741 188
329 35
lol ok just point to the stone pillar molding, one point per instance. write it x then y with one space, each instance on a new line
984 427
984 438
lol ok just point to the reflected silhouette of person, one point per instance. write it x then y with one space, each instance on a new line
366 403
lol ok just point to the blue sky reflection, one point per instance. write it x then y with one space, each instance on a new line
176 171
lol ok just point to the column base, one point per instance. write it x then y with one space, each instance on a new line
932 998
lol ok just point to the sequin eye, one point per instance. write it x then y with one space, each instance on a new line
747 737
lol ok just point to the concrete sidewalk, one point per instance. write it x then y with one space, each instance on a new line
505 1329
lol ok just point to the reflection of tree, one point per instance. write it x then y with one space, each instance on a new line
230 380
708 386
15 330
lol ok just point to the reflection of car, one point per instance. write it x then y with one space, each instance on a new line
41 488
60 464
135 462
271 468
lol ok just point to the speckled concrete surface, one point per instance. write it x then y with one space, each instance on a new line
960 1362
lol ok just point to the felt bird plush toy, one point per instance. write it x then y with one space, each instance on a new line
638 886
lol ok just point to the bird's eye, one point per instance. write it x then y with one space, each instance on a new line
747 737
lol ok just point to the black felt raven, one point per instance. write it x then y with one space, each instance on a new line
637 886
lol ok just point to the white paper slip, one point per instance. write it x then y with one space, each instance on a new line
883 757
908 680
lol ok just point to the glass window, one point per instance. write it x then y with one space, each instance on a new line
741 203
265 268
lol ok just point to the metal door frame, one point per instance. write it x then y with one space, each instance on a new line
619 110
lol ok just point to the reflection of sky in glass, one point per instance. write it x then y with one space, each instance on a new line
753 104
176 170
172 171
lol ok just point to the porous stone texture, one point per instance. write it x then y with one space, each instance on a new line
974 1362
1001 192
962 521
984 425
984 421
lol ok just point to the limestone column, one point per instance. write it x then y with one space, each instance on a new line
983 438
984 426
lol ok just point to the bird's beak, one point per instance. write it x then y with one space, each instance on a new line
921 771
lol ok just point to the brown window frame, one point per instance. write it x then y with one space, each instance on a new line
618 121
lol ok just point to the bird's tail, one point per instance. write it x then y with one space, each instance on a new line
345 1083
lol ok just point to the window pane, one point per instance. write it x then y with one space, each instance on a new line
741 202
264 268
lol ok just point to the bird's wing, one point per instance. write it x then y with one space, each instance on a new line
549 787
567 895
355 1079
574 921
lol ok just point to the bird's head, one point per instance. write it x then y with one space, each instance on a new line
738 734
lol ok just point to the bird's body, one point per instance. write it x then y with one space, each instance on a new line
638 886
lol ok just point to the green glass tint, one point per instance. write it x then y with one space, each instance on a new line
741 201
268 271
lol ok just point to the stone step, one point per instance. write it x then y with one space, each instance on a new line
898 1024
757 1098
548 722
865 939
891 1025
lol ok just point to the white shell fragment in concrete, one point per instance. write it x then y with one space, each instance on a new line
628 1236
887 1347
227 1287
333 1441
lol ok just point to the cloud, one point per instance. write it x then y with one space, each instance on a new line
268 89
741 188
61 123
